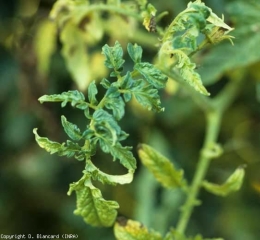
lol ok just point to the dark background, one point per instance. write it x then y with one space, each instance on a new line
33 183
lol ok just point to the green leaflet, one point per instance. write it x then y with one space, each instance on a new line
232 184
133 230
124 154
75 97
94 209
71 129
114 102
151 74
92 92
135 52
69 149
114 57
144 93
161 167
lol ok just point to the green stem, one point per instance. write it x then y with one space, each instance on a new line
213 126
213 116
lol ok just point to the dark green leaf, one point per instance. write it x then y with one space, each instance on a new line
124 154
152 75
114 56
71 129
161 167
135 52
92 92
94 209
106 126
147 96
114 102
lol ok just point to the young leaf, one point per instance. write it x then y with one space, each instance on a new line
92 92
98 175
114 102
75 97
232 184
71 129
161 167
133 230
151 74
94 209
114 56
106 126
135 52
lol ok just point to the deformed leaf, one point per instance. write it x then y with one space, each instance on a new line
151 74
135 52
71 129
133 230
232 184
94 209
49 146
98 175
69 149
75 97
187 71
161 167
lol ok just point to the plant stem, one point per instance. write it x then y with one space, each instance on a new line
213 116
213 125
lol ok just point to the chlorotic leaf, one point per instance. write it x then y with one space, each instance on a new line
45 46
161 167
69 149
71 129
98 175
232 184
133 230
114 56
151 74
135 52
45 143
75 97
75 53
94 209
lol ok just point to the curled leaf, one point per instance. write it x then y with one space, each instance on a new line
232 184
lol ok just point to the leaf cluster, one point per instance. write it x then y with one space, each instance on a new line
102 128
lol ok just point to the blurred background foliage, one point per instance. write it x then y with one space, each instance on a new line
34 184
